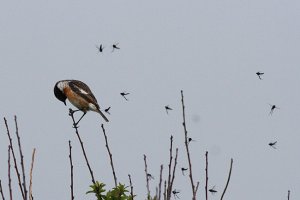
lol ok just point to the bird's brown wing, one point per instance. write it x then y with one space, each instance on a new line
84 91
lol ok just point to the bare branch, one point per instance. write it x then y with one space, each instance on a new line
71 169
174 169
31 170
165 190
110 156
1 191
9 176
156 193
160 181
169 188
22 158
82 147
194 188
131 187
229 175
206 172
15 160
147 179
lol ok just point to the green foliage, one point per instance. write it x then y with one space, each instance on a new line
152 198
117 193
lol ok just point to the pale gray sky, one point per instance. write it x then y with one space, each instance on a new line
210 49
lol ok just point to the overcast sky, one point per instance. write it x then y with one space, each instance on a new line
209 49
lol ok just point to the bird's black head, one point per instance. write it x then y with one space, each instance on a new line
59 94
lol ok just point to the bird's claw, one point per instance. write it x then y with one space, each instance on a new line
75 125
71 112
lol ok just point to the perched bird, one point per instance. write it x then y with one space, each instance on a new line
115 46
273 144
272 108
123 94
107 110
168 108
79 94
259 74
213 190
100 48
183 170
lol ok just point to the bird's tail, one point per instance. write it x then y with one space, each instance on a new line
102 115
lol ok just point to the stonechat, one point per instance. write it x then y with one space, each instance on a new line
79 94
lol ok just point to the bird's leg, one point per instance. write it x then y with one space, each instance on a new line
71 112
75 124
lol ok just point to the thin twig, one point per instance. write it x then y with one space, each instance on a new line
174 169
160 181
289 194
31 171
206 172
147 179
1 191
131 187
15 160
169 188
9 176
22 158
110 156
156 193
165 190
229 175
194 188
82 147
71 169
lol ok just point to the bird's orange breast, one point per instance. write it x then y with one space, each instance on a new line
76 99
